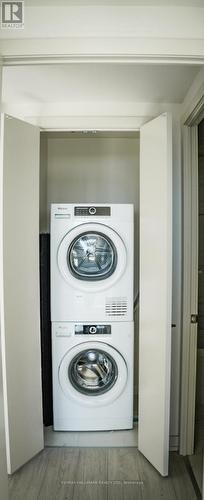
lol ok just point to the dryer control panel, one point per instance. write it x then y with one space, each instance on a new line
92 329
92 210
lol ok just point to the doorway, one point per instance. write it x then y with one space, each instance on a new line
196 460
86 167
22 199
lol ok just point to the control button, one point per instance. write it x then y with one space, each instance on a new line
92 329
92 210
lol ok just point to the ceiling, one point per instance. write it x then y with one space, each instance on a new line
97 82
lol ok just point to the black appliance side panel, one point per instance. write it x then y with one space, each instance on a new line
45 316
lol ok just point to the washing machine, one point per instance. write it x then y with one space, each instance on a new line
92 262
92 376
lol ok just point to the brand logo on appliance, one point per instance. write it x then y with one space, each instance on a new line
62 213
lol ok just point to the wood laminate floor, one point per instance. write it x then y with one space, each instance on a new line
196 460
99 474
104 439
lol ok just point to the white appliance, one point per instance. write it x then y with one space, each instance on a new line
92 376
92 262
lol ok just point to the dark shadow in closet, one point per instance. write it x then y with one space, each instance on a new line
45 319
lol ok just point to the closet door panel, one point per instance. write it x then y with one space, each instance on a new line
155 290
20 304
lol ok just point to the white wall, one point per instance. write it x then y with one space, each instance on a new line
155 21
142 30
3 468
90 169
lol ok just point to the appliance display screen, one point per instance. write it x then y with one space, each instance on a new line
92 329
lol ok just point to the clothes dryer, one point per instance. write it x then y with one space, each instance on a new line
92 262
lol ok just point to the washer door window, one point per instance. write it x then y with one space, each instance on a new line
92 256
93 372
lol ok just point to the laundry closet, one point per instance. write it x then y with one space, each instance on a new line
87 167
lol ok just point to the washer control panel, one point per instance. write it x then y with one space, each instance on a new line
92 329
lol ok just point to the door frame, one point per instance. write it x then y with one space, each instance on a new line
3 468
190 274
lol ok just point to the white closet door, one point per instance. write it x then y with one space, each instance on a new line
20 308
155 290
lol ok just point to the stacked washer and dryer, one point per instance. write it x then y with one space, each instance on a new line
92 316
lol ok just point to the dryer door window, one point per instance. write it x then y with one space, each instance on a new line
92 256
93 372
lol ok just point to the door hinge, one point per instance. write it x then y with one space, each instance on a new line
194 318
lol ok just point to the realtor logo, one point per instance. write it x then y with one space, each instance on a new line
12 15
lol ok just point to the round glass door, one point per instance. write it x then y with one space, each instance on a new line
92 256
93 372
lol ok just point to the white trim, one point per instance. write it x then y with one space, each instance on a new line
190 289
185 287
192 104
3 408
2 307
124 49
194 286
23 60
197 114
